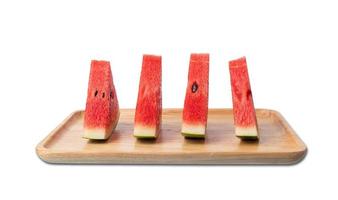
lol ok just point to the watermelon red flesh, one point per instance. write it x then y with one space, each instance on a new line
149 102
243 107
195 110
102 108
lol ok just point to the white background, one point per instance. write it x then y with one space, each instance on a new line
45 53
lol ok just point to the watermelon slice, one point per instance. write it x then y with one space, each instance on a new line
102 108
149 102
243 107
195 112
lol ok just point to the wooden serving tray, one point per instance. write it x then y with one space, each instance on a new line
278 143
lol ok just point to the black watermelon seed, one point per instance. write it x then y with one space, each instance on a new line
194 87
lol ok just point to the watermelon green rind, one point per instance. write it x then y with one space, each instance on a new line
144 136
193 135
248 138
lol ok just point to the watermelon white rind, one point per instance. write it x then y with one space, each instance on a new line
97 133
193 131
250 133
145 132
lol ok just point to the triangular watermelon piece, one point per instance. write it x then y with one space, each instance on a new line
195 112
102 107
149 102
243 106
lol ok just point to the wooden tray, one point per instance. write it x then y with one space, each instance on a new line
278 144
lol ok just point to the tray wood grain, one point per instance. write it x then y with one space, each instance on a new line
278 143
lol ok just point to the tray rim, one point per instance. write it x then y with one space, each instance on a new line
291 156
